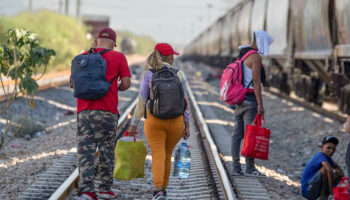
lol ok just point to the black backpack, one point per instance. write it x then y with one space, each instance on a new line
89 75
166 94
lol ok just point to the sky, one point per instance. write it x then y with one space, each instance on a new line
177 22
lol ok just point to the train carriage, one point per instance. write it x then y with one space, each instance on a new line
311 52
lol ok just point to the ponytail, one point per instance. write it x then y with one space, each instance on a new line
155 60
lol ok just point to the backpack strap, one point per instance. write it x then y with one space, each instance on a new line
91 50
103 51
94 50
248 54
145 112
173 69
251 83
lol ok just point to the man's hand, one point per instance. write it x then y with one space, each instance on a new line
125 83
71 81
347 125
261 110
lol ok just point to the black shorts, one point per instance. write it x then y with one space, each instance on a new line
314 187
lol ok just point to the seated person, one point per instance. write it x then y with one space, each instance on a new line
321 173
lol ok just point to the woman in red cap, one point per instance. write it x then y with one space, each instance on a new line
162 133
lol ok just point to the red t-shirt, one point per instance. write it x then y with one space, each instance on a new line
117 67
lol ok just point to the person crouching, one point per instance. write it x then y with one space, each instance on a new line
321 173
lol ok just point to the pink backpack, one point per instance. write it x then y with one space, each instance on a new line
232 90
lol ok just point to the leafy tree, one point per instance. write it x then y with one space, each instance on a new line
59 32
19 60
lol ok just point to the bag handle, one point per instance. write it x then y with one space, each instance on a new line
126 134
257 120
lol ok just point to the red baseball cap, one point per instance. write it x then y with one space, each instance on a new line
107 33
165 49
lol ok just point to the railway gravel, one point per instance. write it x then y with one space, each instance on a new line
195 187
22 160
295 132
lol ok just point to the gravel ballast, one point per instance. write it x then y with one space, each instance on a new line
295 132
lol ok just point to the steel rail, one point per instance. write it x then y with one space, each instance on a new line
224 179
66 187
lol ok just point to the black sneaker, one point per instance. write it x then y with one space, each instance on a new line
253 172
237 172
164 192
158 195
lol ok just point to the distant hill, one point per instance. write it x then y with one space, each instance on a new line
65 35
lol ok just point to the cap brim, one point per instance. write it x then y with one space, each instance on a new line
331 139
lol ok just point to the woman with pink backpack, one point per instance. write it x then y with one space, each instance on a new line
250 63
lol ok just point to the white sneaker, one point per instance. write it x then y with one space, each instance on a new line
159 196
86 197
107 195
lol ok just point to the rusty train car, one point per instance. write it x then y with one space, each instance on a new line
311 52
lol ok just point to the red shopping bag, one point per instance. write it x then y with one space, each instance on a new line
256 140
341 192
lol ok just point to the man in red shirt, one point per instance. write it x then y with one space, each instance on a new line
97 122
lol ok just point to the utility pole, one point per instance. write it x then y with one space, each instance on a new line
66 7
209 6
30 5
78 10
60 6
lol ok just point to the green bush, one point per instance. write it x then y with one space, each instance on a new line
59 32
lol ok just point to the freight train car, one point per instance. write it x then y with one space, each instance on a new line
311 52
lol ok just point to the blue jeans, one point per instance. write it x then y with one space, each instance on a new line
245 114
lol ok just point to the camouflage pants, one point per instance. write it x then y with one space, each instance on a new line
96 128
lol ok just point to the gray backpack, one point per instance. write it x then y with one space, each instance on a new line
89 75
166 94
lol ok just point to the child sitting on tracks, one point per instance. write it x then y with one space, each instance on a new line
321 173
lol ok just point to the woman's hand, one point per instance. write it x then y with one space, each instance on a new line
186 133
133 130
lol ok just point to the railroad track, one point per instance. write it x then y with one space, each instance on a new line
208 176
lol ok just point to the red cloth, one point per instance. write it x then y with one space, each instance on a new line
117 66
341 192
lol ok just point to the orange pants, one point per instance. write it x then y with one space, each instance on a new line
162 136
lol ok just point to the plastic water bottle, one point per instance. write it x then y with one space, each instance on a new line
182 161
